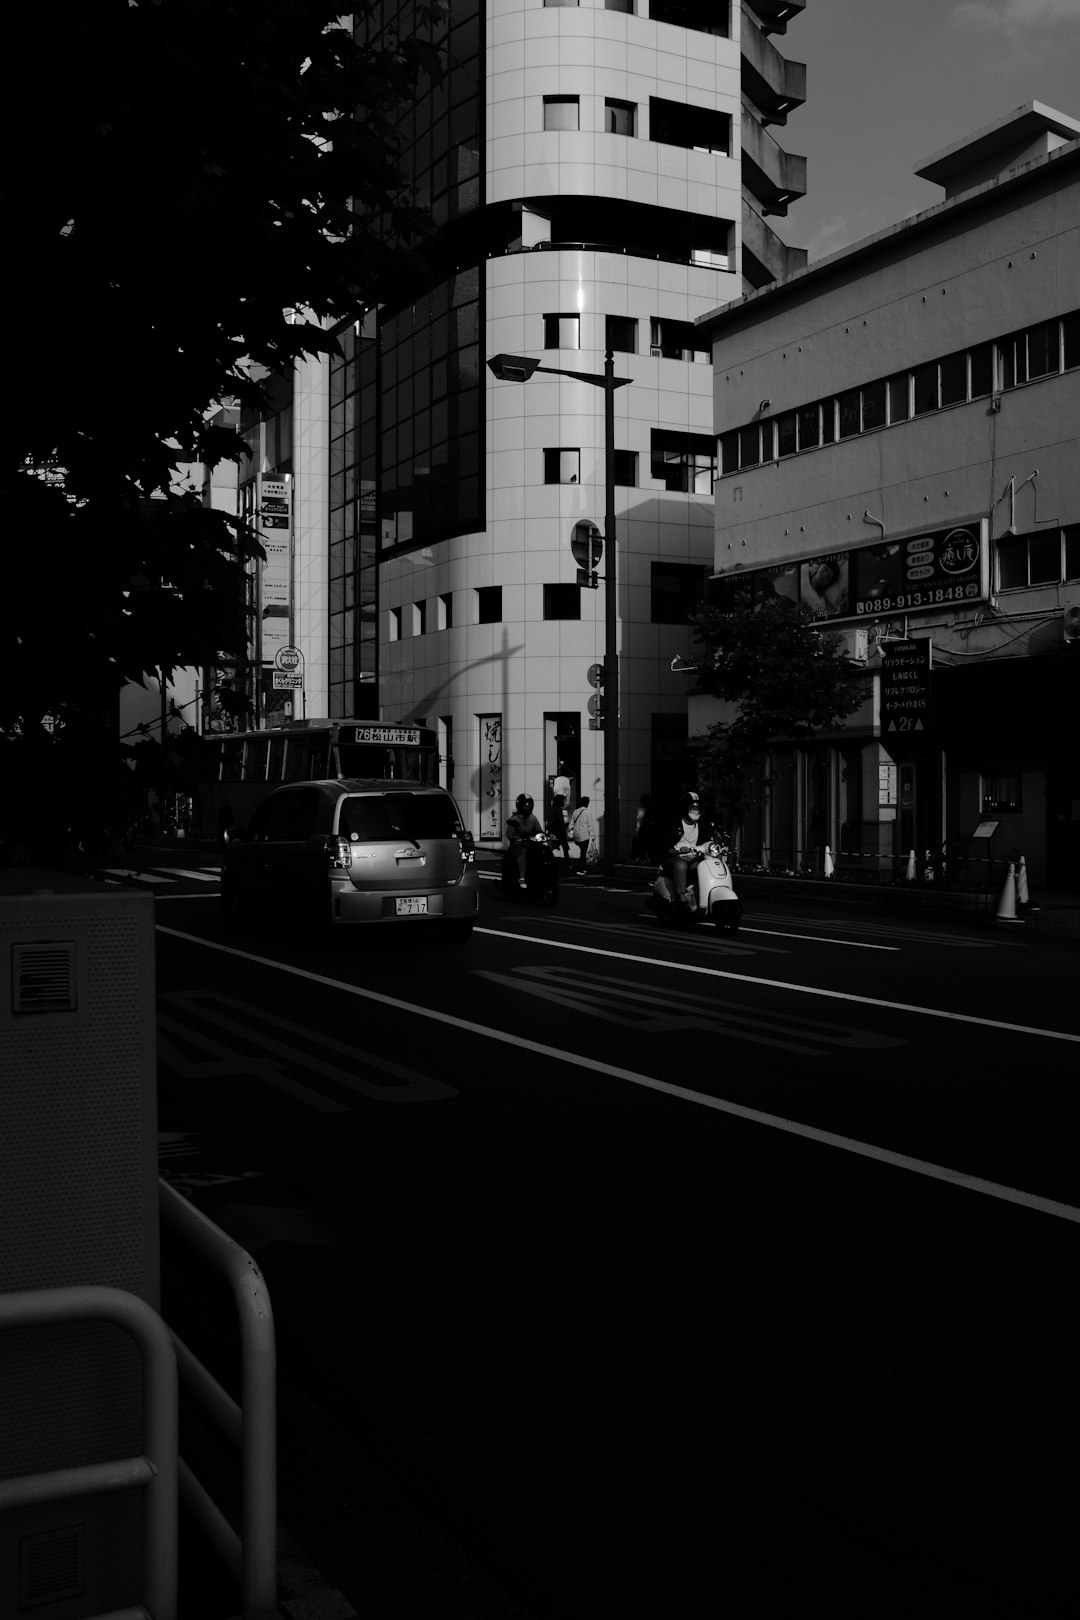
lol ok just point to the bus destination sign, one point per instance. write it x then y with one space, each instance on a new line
401 736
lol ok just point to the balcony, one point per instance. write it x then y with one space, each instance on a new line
774 15
764 257
770 174
773 84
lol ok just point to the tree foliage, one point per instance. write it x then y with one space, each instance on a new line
194 185
782 676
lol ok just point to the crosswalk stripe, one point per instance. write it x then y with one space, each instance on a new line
121 876
207 875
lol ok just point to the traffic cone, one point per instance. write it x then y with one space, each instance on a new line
1023 899
909 875
1006 911
828 861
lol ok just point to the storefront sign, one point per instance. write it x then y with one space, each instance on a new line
490 777
273 519
905 686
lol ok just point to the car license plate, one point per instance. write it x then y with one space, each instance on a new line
412 906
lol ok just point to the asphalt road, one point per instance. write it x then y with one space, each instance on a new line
623 1273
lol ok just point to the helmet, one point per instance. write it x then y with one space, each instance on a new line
689 802
523 804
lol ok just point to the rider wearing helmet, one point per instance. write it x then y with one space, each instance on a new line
522 826
685 837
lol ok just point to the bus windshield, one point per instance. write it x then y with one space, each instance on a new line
387 764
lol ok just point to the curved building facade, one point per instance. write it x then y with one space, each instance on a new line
593 168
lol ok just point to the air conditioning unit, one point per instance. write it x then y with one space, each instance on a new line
78 1207
1070 625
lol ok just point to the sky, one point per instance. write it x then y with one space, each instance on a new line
889 83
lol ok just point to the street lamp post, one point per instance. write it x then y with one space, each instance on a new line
518 368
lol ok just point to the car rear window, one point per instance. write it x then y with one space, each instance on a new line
384 817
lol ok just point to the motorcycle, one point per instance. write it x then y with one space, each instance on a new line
710 894
541 872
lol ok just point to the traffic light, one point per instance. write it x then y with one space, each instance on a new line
596 701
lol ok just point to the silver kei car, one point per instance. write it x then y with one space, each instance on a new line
328 855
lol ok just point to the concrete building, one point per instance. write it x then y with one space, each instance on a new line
603 174
898 429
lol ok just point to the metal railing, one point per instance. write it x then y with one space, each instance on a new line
156 1472
251 1426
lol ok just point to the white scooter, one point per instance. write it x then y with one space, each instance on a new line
710 894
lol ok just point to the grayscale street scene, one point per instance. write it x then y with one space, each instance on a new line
540 844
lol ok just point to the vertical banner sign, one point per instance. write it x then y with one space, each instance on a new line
905 686
274 522
490 777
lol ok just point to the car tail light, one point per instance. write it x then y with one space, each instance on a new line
339 854
467 845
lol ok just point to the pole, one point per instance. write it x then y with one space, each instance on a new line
611 616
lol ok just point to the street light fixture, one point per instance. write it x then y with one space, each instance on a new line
519 368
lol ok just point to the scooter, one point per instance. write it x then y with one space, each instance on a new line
710 894
541 872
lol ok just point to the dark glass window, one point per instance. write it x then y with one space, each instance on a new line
1071 340
828 421
562 601
676 340
729 452
899 397
704 16
621 334
620 117
680 123
809 426
1002 791
1044 558
954 378
926 388
562 331
750 445
785 434
446 611
849 413
626 468
1042 349
873 405
982 370
562 466
489 604
678 589
1012 562
285 818
685 461
1071 538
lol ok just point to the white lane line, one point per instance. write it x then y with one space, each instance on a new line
202 894
810 1133
207 875
784 984
780 933
120 875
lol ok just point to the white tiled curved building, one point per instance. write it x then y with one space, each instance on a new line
601 176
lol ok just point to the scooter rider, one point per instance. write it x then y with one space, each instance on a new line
522 826
686 838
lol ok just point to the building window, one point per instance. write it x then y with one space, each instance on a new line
680 123
872 399
809 427
394 633
562 466
899 391
677 340
684 461
703 16
561 2
620 117
562 331
619 5
1047 558
678 589
849 413
562 602
785 434
419 618
489 604
1002 792
1039 351
561 112
626 468
621 334
445 611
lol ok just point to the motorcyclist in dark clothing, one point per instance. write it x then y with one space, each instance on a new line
683 838
522 826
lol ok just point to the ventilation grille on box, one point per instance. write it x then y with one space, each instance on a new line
52 1566
43 977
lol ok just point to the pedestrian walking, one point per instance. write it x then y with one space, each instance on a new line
583 833
556 825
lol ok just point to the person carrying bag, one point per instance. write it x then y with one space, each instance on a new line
583 834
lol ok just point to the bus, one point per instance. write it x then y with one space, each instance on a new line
242 767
